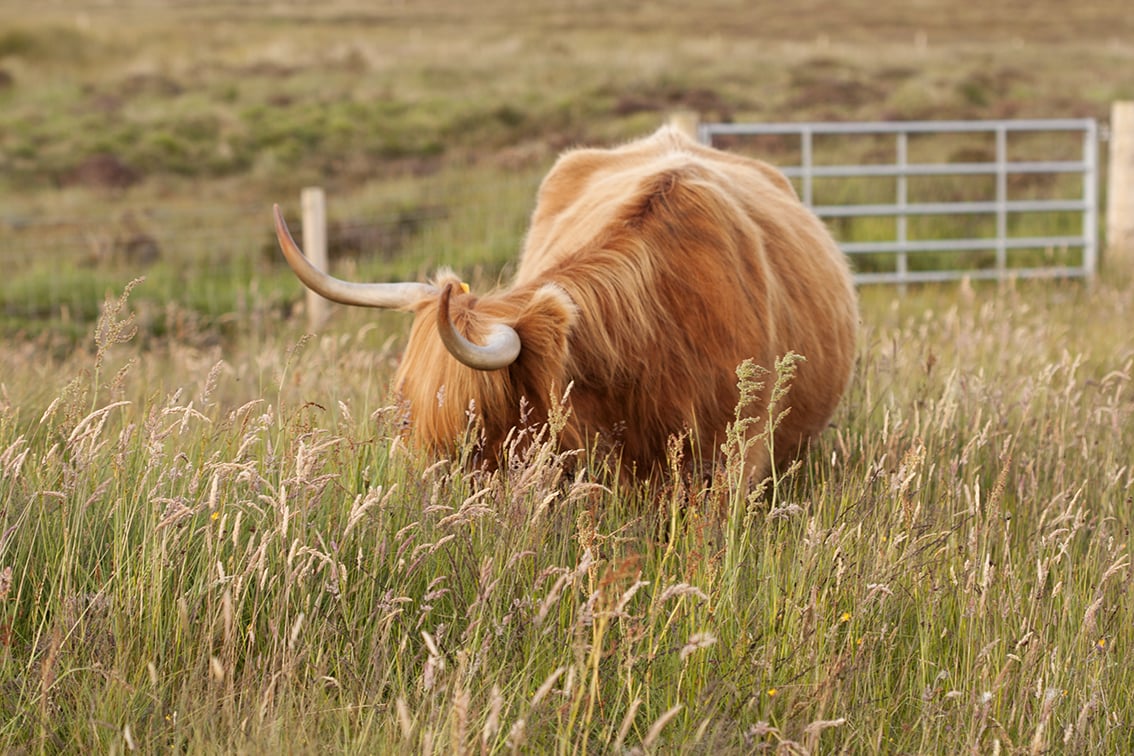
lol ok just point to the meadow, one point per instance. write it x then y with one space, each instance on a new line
212 538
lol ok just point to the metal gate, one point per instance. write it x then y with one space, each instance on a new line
930 201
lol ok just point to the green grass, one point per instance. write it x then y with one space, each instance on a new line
250 559
217 111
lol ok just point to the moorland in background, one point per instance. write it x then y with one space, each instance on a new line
152 137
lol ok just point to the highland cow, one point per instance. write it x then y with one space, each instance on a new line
649 272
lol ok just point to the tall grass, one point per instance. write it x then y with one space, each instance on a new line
243 555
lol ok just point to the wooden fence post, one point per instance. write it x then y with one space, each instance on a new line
1120 187
688 121
314 205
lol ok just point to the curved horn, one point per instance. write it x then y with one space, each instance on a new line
502 349
387 295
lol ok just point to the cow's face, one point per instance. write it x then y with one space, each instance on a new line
448 401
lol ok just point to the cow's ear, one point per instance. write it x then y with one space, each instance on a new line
545 322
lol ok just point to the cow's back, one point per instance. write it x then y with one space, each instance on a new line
684 261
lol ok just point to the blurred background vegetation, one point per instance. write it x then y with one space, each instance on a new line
152 137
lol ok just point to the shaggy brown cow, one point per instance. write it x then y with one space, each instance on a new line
650 271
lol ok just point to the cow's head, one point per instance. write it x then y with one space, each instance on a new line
469 360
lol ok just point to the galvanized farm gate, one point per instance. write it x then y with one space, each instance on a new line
1013 240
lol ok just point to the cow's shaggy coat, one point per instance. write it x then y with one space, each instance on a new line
650 271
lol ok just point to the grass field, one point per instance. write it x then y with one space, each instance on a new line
153 136
212 540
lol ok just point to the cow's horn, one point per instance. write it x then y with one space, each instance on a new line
387 295
502 349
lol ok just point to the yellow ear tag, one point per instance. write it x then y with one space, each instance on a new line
464 287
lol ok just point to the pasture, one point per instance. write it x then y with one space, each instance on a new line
212 538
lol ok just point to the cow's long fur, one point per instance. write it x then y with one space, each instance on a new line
650 271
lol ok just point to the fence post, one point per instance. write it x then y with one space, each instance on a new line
688 121
1120 187
314 205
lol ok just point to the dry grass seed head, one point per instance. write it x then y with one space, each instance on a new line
110 329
